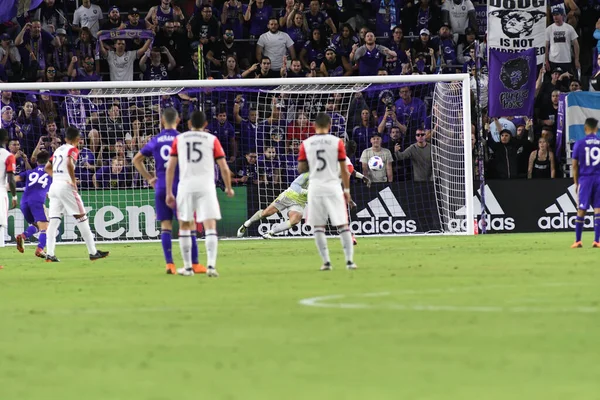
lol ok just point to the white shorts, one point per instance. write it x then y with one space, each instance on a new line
64 200
332 206
4 206
204 204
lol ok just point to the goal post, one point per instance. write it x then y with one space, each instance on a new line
125 211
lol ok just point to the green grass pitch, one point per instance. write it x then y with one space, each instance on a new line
485 317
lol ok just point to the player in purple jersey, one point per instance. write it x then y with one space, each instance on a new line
586 175
33 203
159 147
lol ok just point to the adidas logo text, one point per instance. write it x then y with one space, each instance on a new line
564 213
383 214
494 217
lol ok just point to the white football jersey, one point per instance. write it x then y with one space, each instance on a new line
196 152
61 157
323 154
7 164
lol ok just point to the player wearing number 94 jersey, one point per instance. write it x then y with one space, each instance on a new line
586 174
324 157
33 204
159 147
195 152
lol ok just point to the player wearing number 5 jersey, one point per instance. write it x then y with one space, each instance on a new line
7 178
324 157
195 152
33 204
586 174
64 198
159 147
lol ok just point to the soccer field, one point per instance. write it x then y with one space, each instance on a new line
483 317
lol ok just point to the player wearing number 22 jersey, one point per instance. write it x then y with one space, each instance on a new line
324 157
33 204
64 197
586 174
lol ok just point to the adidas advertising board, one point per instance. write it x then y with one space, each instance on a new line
496 219
383 209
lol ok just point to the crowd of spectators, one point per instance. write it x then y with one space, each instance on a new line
210 39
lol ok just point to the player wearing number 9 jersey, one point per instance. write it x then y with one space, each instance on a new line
195 152
64 197
159 148
324 157
586 175
33 204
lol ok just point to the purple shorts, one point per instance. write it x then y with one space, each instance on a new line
163 211
34 211
589 192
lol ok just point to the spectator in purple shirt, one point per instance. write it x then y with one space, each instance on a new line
232 17
258 14
85 167
34 44
362 133
225 132
411 111
314 50
318 19
85 73
298 31
247 129
62 53
244 169
8 122
153 67
269 166
344 41
21 159
111 176
370 56
422 15
7 100
31 126
388 16
85 45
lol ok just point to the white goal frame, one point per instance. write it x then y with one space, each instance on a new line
123 87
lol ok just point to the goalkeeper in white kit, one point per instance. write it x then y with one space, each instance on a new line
293 200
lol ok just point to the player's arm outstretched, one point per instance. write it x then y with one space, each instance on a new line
138 163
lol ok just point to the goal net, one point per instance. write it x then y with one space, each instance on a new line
261 124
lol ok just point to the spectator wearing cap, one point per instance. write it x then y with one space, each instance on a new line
388 17
316 18
49 16
559 80
7 121
175 41
86 72
313 52
464 47
61 55
30 124
227 46
423 44
560 37
423 15
152 66
499 124
88 15
419 154
333 65
258 14
446 46
36 44
120 61
460 15
370 56
383 175
275 44
113 21
133 21
504 164
10 58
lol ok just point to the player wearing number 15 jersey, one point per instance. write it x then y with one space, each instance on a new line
586 174
33 204
159 147
324 157
64 198
195 152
